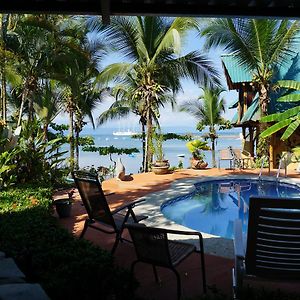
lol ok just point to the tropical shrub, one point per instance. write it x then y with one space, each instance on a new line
66 267
196 147
39 160
290 118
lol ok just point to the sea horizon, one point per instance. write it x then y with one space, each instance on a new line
174 150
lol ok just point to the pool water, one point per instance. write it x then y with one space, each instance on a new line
214 205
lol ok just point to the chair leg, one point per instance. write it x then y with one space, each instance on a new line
155 274
86 225
118 238
178 283
203 272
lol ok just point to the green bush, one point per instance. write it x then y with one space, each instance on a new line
66 267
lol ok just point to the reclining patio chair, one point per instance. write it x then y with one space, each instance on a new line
98 211
273 245
152 246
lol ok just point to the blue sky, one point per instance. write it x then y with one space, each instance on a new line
169 117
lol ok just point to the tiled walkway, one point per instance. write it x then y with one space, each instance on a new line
218 269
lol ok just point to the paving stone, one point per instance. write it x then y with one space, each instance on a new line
9 269
22 291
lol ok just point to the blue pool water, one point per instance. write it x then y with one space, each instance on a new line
214 205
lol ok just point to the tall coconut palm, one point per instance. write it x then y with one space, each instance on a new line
129 101
261 45
48 104
78 73
7 59
151 46
208 111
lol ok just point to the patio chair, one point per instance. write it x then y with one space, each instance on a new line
152 246
273 246
98 210
225 154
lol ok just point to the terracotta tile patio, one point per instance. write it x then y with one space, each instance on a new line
218 269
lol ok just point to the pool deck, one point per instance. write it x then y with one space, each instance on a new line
156 189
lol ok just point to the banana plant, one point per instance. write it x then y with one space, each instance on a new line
289 119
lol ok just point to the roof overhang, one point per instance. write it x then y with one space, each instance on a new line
204 8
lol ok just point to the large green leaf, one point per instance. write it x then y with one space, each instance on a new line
289 98
282 116
291 129
289 84
276 127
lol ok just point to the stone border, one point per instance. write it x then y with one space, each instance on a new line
212 244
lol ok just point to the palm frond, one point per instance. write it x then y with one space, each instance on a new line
281 116
276 127
291 129
113 71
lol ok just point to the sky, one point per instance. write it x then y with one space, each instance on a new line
169 117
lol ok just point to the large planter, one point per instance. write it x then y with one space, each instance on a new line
198 164
160 170
63 207
161 163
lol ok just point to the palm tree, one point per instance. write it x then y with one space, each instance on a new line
152 45
78 76
208 111
261 45
7 59
48 104
129 101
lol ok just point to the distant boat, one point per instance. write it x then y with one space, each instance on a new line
124 133
181 155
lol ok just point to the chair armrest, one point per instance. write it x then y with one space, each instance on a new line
195 233
127 206
108 194
239 250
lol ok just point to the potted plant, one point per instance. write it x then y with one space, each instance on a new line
196 147
64 205
161 165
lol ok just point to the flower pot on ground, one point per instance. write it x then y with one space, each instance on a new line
63 207
161 165
196 147
160 170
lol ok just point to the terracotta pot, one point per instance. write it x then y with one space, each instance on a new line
160 170
161 163
198 164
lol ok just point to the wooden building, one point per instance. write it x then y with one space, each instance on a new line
248 113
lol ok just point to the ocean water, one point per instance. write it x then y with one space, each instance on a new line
172 148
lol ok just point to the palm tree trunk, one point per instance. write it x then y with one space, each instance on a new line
24 96
213 153
3 89
76 142
71 139
262 148
148 154
143 145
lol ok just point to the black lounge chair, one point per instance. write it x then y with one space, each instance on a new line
152 246
98 210
273 245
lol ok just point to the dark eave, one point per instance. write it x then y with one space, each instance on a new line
204 8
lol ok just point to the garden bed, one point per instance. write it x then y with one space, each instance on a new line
66 267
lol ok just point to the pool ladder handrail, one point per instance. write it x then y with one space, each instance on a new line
261 167
283 159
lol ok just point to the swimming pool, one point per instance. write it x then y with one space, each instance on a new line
214 205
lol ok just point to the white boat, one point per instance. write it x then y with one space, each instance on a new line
124 133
